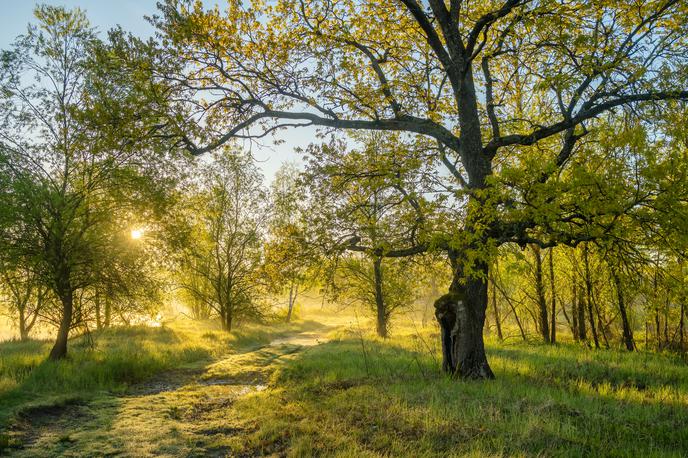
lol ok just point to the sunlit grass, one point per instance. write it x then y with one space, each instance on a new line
361 396
355 395
113 360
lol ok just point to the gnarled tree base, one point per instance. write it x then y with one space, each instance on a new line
461 330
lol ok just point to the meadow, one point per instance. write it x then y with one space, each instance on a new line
325 386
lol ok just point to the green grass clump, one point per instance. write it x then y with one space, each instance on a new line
353 396
368 397
112 360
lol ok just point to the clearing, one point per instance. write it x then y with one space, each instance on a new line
324 388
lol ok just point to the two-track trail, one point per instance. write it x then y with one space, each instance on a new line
181 413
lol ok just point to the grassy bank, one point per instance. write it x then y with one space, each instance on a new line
366 397
113 360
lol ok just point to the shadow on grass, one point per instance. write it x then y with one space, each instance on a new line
385 398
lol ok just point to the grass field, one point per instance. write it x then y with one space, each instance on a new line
561 401
191 390
111 362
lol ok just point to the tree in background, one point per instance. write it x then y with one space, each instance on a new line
221 262
24 296
289 260
369 201
77 175
385 287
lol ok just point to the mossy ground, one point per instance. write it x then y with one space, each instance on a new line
353 395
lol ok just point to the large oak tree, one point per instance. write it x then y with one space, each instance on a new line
496 85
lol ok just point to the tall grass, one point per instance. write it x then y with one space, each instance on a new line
369 397
112 360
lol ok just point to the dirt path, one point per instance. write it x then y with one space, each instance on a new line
178 413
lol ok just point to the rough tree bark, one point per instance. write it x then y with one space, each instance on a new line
469 348
461 314
445 312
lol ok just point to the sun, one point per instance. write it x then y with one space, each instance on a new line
136 234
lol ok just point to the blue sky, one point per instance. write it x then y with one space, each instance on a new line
105 14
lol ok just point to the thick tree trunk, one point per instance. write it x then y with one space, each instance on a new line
625 325
380 299
59 350
445 312
468 352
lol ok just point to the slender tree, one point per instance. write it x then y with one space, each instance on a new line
222 257
369 201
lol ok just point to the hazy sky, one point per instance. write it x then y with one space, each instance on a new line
104 14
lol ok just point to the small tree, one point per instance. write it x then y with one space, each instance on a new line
370 201
289 257
25 297
220 266
383 286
